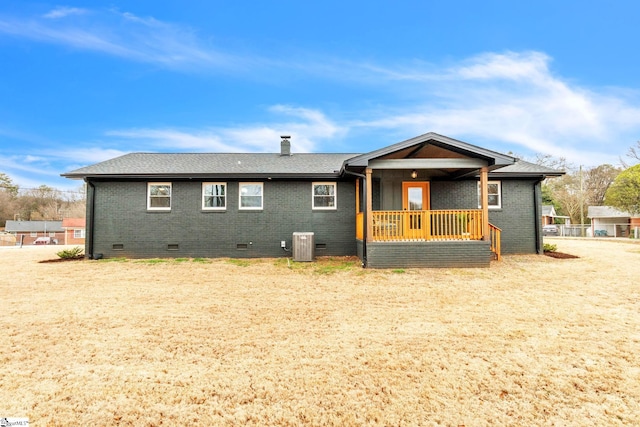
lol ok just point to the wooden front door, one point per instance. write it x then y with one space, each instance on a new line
415 197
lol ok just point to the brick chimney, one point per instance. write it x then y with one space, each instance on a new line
285 146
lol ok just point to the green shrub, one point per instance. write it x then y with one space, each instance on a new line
548 247
71 253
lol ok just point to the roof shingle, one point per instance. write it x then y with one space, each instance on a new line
227 164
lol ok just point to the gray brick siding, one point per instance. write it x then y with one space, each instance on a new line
122 219
516 217
428 254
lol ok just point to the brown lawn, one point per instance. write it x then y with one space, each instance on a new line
531 341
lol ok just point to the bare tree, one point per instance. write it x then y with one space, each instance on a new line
8 194
634 152
559 163
597 181
565 191
40 203
74 203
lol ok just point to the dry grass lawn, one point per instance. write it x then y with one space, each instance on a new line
531 341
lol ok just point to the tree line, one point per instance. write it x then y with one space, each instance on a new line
41 203
603 185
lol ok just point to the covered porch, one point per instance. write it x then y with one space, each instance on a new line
428 225
425 203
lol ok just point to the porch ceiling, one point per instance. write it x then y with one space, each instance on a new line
425 150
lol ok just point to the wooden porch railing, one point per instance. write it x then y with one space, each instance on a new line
425 225
407 226
495 236
410 226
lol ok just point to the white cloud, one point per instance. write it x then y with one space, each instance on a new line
174 139
123 35
308 129
88 155
25 163
63 12
513 99
525 66
34 159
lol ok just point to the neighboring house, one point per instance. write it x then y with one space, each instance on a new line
74 231
549 216
607 221
28 232
430 201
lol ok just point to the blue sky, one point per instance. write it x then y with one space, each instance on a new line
86 81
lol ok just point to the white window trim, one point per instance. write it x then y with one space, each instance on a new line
78 233
214 208
250 208
149 184
499 205
335 196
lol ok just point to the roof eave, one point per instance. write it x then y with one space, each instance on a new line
539 175
182 176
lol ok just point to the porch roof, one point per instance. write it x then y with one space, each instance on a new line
464 154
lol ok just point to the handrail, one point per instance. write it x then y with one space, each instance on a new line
449 224
495 235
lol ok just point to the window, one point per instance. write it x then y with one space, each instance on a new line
159 196
324 195
78 234
495 195
214 195
251 195
33 234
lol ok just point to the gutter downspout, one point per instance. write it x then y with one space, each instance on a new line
91 206
537 197
364 217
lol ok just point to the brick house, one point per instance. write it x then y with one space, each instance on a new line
27 232
430 201
74 231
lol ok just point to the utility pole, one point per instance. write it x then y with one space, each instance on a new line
581 204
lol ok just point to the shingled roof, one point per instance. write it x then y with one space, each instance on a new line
277 165
522 168
215 164
606 212
34 226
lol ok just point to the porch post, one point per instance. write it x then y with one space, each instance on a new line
369 204
484 200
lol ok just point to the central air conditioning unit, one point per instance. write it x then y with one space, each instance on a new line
303 246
